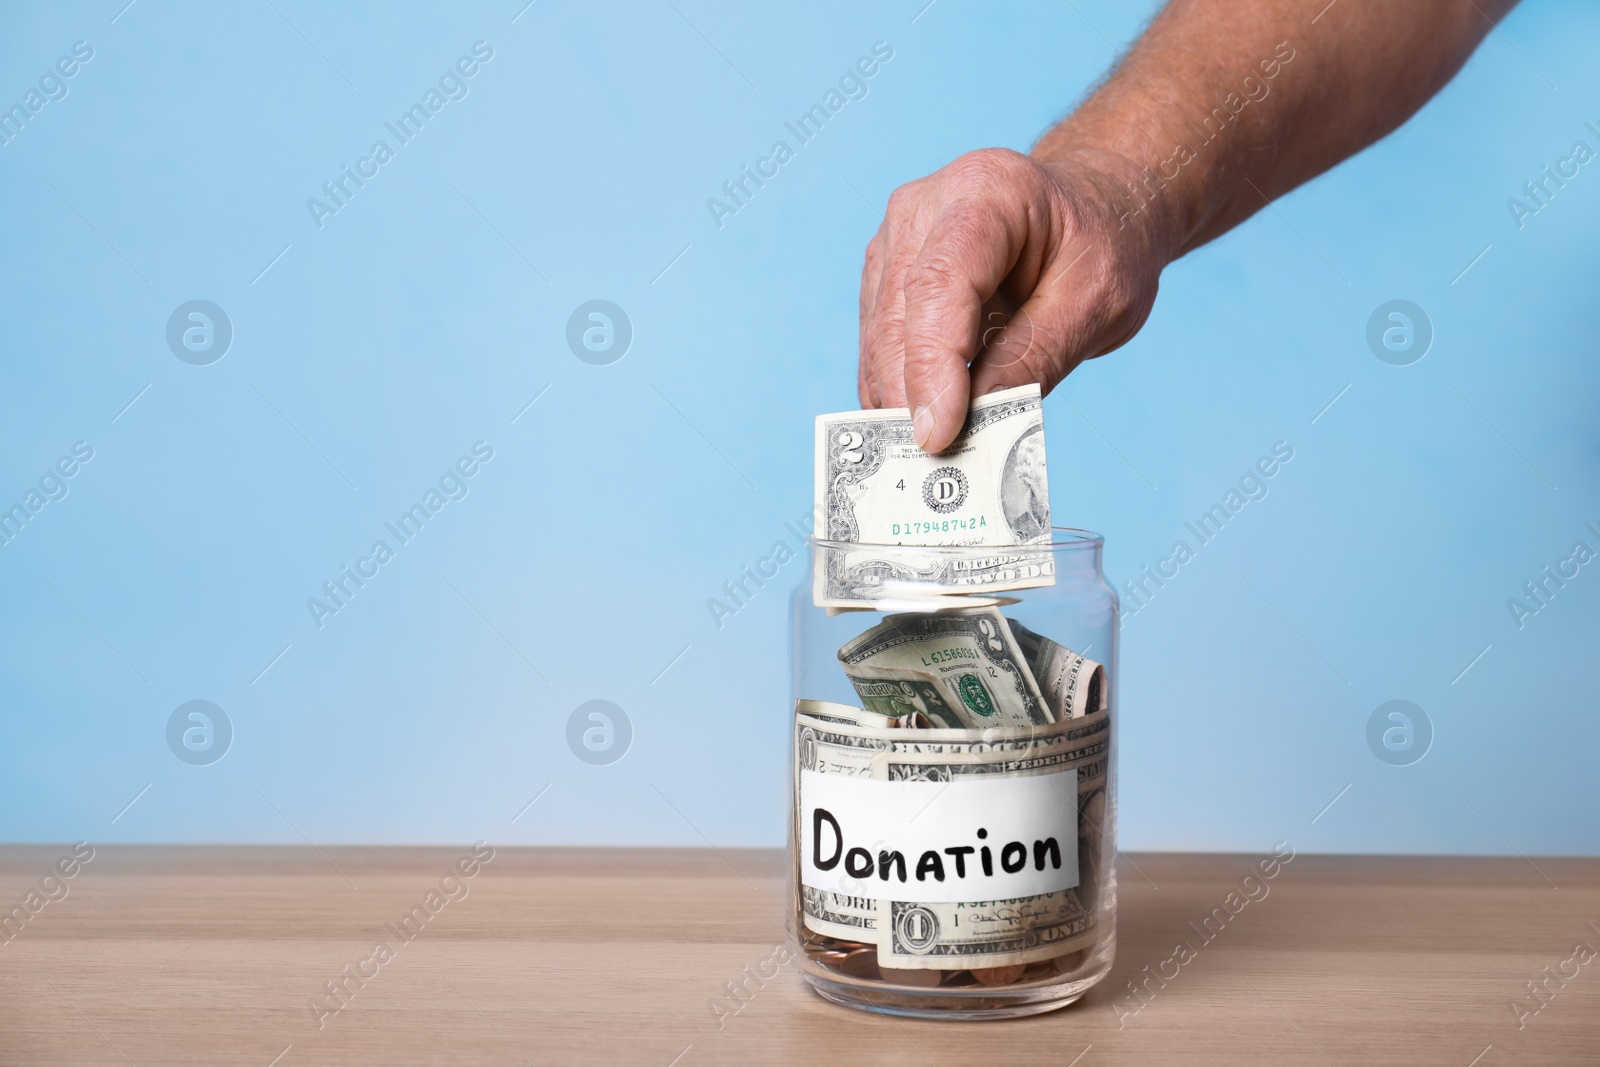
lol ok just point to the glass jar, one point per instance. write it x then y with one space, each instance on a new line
952 845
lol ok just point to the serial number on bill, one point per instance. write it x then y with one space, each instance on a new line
940 526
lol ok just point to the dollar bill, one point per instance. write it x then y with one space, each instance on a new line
828 711
912 935
824 746
831 746
1003 932
874 577
831 739
1086 756
875 487
972 656
1073 685
985 933
901 695
842 915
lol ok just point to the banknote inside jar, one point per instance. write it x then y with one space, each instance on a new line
1058 719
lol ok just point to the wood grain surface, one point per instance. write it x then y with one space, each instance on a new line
217 955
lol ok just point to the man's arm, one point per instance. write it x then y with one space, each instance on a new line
1024 266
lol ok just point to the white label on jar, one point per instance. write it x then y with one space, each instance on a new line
939 842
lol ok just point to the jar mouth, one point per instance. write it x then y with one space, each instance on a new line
1062 537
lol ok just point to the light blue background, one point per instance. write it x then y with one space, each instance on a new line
425 315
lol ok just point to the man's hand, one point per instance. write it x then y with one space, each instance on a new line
1020 269
1025 266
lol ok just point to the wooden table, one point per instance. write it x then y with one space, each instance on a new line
218 955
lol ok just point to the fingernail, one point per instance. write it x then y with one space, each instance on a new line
922 423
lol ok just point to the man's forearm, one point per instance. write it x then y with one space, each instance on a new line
1225 104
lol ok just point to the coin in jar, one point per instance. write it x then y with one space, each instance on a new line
908 976
1068 963
861 963
999 975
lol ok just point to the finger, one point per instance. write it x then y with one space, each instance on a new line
882 313
886 343
969 251
887 327
911 210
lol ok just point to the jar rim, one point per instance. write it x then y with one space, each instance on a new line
1061 537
